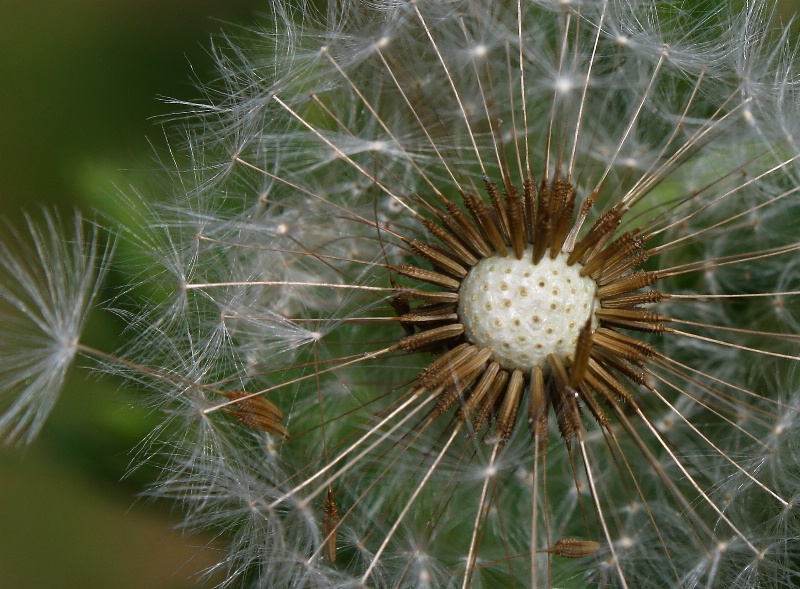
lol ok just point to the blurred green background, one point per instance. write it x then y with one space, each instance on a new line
79 81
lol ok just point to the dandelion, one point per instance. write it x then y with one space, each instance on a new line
465 294
47 287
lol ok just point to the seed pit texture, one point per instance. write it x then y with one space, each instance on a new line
536 325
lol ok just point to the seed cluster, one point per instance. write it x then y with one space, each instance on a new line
596 362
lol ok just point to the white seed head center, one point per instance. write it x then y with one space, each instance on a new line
525 311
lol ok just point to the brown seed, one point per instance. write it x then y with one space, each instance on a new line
485 221
480 390
459 378
543 222
583 349
606 384
427 276
508 410
594 407
636 319
411 318
498 208
429 296
495 391
257 412
434 367
624 245
627 283
565 400
601 231
458 247
439 259
458 222
623 346
632 299
613 271
442 372
572 548
330 526
529 202
431 337
537 407
516 222
562 221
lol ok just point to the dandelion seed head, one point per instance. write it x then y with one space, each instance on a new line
629 162
666 424
490 472
479 51
634 507
378 146
625 542
565 85
357 400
